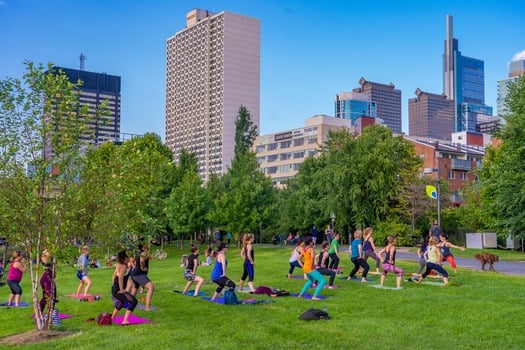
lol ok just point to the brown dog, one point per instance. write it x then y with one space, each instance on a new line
487 258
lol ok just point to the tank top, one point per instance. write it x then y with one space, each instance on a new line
217 271
445 251
15 274
191 262
367 245
389 258
307 264
320 260
249 254
433 255
295 255
115 287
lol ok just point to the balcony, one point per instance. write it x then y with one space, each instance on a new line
461 164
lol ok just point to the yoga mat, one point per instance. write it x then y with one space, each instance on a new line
326 286
378 286
82 296
244 290
434 283
355 279
190 293
250 301
133 320
143 307
60 316
296 277
21 304
307 296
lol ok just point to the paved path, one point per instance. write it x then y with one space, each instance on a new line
516 268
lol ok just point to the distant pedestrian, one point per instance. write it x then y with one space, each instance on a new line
435 230
314 233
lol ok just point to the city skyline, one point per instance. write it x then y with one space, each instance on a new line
309 51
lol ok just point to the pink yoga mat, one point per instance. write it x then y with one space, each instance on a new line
133 320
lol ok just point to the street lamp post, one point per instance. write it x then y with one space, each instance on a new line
438 187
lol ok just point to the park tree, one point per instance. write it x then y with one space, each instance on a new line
502 173
41 122
364 174
249 194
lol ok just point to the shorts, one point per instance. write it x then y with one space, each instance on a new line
15 287
141 280
81 275
188 275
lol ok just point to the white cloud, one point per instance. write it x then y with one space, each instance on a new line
517 57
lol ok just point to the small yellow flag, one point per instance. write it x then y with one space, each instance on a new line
432 191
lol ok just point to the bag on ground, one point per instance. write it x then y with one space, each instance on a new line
314 315
104 319
230 298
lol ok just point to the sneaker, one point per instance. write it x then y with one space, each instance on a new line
331 287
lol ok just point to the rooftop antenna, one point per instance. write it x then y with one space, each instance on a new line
82 61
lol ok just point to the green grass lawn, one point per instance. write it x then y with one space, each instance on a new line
477 311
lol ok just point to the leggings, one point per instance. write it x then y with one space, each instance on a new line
392 268
49 289
370 253
293 265
431 266
327 272
224 282
15 287
312 277
450 260
359 262
247 271
334 261
123 298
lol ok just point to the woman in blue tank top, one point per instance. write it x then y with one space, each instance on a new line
218 274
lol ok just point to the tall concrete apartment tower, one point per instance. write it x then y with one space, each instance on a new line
516 70
96 88
463 82
387 101
213 67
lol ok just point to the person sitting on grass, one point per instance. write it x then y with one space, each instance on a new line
218 274
190 272
118 288
389 264
433 257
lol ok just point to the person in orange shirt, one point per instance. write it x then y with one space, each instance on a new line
308 265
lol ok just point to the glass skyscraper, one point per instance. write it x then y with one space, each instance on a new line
463 82
352 105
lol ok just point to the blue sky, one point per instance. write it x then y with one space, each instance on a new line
310 50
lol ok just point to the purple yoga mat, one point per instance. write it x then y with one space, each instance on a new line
133 319
307 296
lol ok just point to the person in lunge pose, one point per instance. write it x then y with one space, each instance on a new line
295 257
139 276
322 264
82 271
333 252
433 257
218 274
356 255
312 274
445 246
190 272
14 276
118 288
389 264
369 247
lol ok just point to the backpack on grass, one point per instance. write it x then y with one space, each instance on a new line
230 298
314 315
104 319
